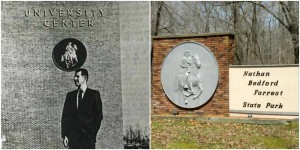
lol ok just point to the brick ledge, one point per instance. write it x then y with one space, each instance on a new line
192 35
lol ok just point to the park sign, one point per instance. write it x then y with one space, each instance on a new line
266 90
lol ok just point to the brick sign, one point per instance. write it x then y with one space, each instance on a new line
271 90
221 45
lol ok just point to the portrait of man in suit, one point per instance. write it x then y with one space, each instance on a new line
82 114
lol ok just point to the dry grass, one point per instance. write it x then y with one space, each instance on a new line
175 133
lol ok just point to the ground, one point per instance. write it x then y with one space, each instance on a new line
185 133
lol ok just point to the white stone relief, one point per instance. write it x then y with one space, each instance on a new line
70 57
188 79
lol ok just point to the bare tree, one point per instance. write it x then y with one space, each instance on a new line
290 10
266 32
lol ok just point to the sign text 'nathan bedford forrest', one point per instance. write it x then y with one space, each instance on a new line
264 89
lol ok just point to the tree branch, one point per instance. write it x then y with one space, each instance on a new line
168 7
266 9
286 13
166 28
222 20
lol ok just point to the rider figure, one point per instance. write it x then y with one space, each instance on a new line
70 55
186 64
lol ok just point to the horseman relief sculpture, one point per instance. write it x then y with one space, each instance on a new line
189 75
70 57
69 54
188 79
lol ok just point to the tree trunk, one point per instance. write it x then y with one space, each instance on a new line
295 41
294 27
158 15
207 16
235 22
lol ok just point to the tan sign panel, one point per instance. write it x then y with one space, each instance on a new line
264 90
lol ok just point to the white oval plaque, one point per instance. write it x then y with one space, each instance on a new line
189 75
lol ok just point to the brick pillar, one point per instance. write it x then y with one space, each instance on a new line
221 45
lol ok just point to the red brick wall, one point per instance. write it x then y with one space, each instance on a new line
221 45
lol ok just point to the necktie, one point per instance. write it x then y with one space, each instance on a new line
80 97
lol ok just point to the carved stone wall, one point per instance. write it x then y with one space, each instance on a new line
33 89
221 45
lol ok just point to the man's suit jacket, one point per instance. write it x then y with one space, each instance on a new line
85 121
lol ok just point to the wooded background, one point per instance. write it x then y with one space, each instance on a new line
265 32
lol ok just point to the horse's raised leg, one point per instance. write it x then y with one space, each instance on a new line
76 59
190 86
67 64
199 85
71 60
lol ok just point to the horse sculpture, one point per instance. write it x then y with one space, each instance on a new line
187 83
70 57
